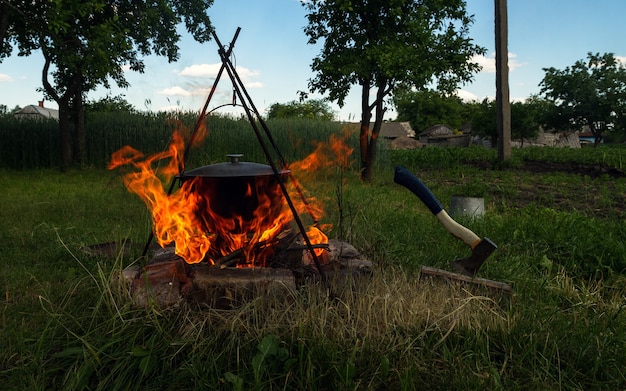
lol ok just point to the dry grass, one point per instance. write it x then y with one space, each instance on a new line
386 308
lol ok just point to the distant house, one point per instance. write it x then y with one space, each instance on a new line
444 135
393 130
37 112
400 134
389 130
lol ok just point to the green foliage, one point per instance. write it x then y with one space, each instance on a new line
609 156
310 109
385 45
526 118
484 120
88 43
441 158
589 93
110 104
427 108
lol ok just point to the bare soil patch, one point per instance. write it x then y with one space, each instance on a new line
592 171
594 190
596 194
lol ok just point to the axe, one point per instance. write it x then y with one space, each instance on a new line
481 248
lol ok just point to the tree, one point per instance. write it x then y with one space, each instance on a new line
88 43
310 109
384 44
110 104
590 93
484 120
526 118
427 108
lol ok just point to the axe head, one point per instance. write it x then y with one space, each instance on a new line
469 266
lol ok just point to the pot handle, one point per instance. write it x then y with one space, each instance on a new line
234 157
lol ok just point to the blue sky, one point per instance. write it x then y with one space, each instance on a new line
273 58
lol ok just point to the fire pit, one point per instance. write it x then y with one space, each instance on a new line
227 219
227 234
167 279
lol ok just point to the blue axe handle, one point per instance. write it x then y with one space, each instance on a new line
403 177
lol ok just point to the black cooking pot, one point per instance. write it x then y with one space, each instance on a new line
233 190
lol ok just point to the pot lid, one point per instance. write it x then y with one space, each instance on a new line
234 168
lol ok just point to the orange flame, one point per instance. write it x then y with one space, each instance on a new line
185 217
173 217
335 152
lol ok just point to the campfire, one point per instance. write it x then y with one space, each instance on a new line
226 211
230 215
226 226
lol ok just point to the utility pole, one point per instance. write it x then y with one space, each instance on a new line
503 104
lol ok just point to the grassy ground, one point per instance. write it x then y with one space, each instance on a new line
66 323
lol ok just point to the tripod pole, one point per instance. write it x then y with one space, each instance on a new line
201 118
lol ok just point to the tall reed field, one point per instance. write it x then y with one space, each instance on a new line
557 215
28 144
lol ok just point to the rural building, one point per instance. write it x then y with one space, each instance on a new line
388 130
441 134
37 112
393 130
400 134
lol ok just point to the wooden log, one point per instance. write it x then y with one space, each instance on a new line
163 283
427 271
229 287
167 278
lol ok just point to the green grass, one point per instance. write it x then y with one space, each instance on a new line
67 322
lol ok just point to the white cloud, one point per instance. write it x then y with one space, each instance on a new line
174 91
5 77
253 84
201 70
621 59
246 75
466 96
488 64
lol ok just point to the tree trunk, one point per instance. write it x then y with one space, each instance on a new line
364 136
367 172
65 136
80 139
597 134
